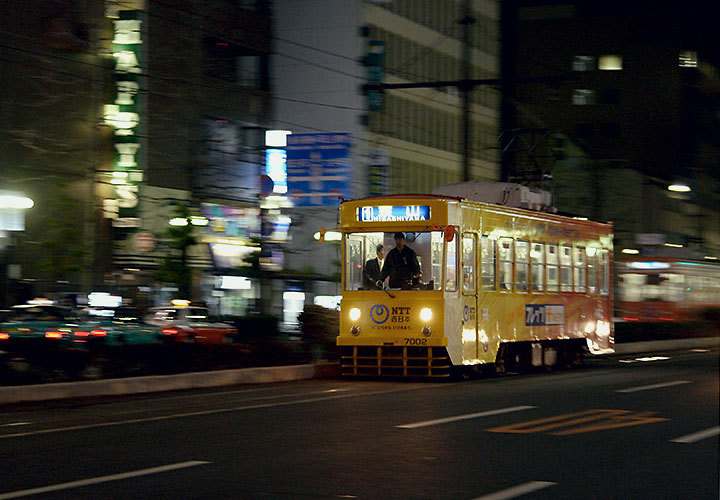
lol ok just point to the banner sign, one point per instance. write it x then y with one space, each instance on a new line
318 169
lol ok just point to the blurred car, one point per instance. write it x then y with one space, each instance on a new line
123 325
32 322
183 321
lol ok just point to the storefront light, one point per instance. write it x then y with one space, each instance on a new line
15 201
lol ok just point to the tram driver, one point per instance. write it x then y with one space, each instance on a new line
401 265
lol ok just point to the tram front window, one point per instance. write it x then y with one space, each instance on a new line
368 254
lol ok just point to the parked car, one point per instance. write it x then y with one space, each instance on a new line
183 321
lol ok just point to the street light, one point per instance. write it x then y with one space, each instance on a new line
679 187
14 201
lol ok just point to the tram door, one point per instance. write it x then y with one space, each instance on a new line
469 302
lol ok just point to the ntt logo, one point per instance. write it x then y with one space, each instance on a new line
379 314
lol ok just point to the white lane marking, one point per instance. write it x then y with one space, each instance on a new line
654 386
15 424
102 479
464 417
697 436
207 412
517 491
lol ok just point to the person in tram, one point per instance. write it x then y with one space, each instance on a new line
373 268
401 265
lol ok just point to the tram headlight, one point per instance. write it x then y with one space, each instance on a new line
354 314
426 314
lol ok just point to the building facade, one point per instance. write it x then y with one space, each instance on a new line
116 118
628 107
404 140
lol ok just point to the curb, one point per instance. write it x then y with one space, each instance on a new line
655 345
261 375
159 383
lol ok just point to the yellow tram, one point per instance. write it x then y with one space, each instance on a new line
498 287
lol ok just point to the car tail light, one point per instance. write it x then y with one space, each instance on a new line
98 333
170 331
4 336
82 334
54 335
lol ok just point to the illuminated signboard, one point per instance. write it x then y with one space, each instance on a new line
648 265
386 213
124 116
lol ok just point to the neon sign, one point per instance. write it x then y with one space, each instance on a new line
123 116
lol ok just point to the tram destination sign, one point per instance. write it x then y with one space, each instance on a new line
389 213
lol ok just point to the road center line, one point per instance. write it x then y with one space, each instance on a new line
517 491
464 417
697 436
654 386
102 479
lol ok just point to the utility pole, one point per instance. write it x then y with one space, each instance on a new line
465 87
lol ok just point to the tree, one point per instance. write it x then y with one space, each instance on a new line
174 267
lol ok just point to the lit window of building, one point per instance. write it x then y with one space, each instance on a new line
583 97
584 63
610 63
688 59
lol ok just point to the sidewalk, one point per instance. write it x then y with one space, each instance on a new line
158 383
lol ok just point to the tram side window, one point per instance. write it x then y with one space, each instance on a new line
592 269
522 263
488 263
505 263
579 269
468 259
565 268
451 266
604 272
551 259
537 255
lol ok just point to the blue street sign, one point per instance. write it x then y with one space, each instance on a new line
318 168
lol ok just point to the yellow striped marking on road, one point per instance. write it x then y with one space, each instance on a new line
578 423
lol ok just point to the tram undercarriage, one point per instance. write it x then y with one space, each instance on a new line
434 362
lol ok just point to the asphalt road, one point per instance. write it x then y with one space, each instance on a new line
621 428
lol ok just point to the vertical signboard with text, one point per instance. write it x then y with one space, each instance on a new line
124 116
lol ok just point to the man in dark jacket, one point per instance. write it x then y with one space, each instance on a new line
401 265
372 269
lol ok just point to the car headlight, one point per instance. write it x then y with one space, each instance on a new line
426 314
354 314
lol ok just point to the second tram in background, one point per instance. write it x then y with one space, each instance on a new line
496 287
657 288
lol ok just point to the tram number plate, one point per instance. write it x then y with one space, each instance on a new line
409 341
544 314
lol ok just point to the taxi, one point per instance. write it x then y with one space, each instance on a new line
185 321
